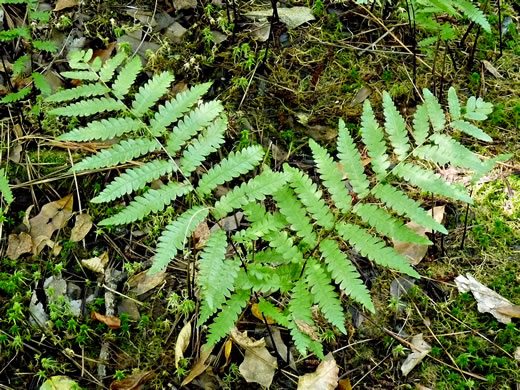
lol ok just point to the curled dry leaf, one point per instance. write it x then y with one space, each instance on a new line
110 321
421 349
96 264
227 353
325 377
81 227
144 282
488 301
416 252
199 367
183 341
18 244
132 382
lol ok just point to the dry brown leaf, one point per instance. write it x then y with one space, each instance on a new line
361 96
416 252
81 227
491 69
110 321
96 264
307 329
420 350
64 4
183 341
324 378
256 312
201 235
132 382
105 54
144 282
53 216
18 244
322 133
199 367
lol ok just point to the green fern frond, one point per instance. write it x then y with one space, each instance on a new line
403 205
301 302
16 96
453 104
135 179
331 176
284 246
429 181
102 130
435 112
471 129
477 109
271 311
254 212
387 225
126 77
41 84
108 69
151 202
119 153
14 33
216 274
175 235
5 190
459 155
324 294
421 124
173 109
488 165
372 136
266 183
234 165
205 144
83 91
49 46
310 196
293 211
473 13
84 75
259 228
89 107
192 123
345 274
350 158
395 126
226 319
375 249
151 92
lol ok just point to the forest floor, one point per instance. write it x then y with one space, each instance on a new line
314 74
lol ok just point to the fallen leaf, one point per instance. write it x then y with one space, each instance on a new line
324 378
110 321
421 349
132 382
199 367
491 69
416 252
229 223
63 4
227 353
144 282
258 314
307 329
344 384
200 235
59 382
16 153
105 54
184 4
281 347
96 264
259 365
292 17
183 341
18 244
81 227
361 96
322 133
488 301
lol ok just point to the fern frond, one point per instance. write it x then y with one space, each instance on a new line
477 109
264 279
375 249
268 223
175 235
41 84
488 165
234 165
331 176
453 104
266 183
83 91
293 211
5 190
151 202
84 75
429 181
49 46
192 123
177 107
151 92
310 196
205 144
345 274
16 96
254 212
135 179
372 136
284 246
350 158
108 69
89 107
14 33
216 275
102 130
126 77
421 124
324 294
271 311
119 153
435 112
473 13
471 129
387 225
459 155
395 126
301 302
226 319
403 205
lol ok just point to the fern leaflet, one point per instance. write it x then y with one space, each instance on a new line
453 104
89 107
108 69
435 113
471 129
151 92
269 310
5 190
82 91
126 77
421 124
395 127
102 130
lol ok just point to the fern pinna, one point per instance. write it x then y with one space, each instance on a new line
293 253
